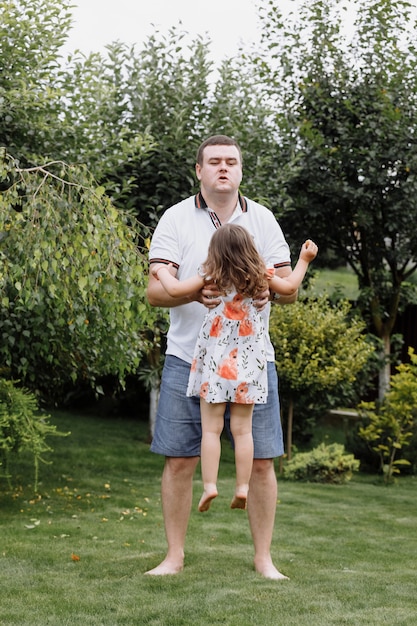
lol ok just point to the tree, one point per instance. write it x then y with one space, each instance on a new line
71 110
164 90
72 304
238 108
72 280
31 34
351 115
320 352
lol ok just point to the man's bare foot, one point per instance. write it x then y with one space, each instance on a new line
238 502
268 570
206 499
166 568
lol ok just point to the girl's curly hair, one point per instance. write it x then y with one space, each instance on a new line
234 263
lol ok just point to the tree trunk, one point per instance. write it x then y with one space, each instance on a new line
385 373
289 428
153 405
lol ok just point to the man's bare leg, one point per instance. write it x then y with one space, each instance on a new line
177 494
262 501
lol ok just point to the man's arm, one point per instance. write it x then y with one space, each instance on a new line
158 296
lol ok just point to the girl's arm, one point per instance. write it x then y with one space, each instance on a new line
289 285
174 287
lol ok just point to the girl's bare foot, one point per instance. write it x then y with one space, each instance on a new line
238 502
206 498
240 497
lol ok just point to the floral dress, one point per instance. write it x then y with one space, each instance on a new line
229 363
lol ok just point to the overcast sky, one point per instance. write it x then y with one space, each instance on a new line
101 22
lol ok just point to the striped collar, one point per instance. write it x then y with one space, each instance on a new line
200 203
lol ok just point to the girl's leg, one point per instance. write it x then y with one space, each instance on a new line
212 422
241 427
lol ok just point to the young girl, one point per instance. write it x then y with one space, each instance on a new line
229 364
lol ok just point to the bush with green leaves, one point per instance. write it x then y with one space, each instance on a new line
72 281
388 428
323 464
323 358
23 428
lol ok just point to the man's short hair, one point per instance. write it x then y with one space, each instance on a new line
217 140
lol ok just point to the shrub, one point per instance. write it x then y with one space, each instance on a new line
323 359
389 428
324 464
22 428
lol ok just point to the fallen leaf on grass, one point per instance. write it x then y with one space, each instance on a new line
34 523
75 557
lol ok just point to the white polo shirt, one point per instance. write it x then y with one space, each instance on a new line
182 238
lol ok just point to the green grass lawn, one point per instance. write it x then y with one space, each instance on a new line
76 554
341 279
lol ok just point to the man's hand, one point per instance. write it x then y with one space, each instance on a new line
210 296
261 300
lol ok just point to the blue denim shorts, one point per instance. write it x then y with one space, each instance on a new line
178 424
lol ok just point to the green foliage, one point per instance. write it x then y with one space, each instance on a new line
22 428
351 108
162 91
318 346
73 110
323 357
31 34
102 130
389 428
324 464
238 109
72 280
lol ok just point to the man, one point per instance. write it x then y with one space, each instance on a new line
181 239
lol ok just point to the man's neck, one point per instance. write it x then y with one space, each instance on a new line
222 204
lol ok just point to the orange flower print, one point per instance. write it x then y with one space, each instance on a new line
241 396
228 367
204 390
246 328
216 326
193 365
235 309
